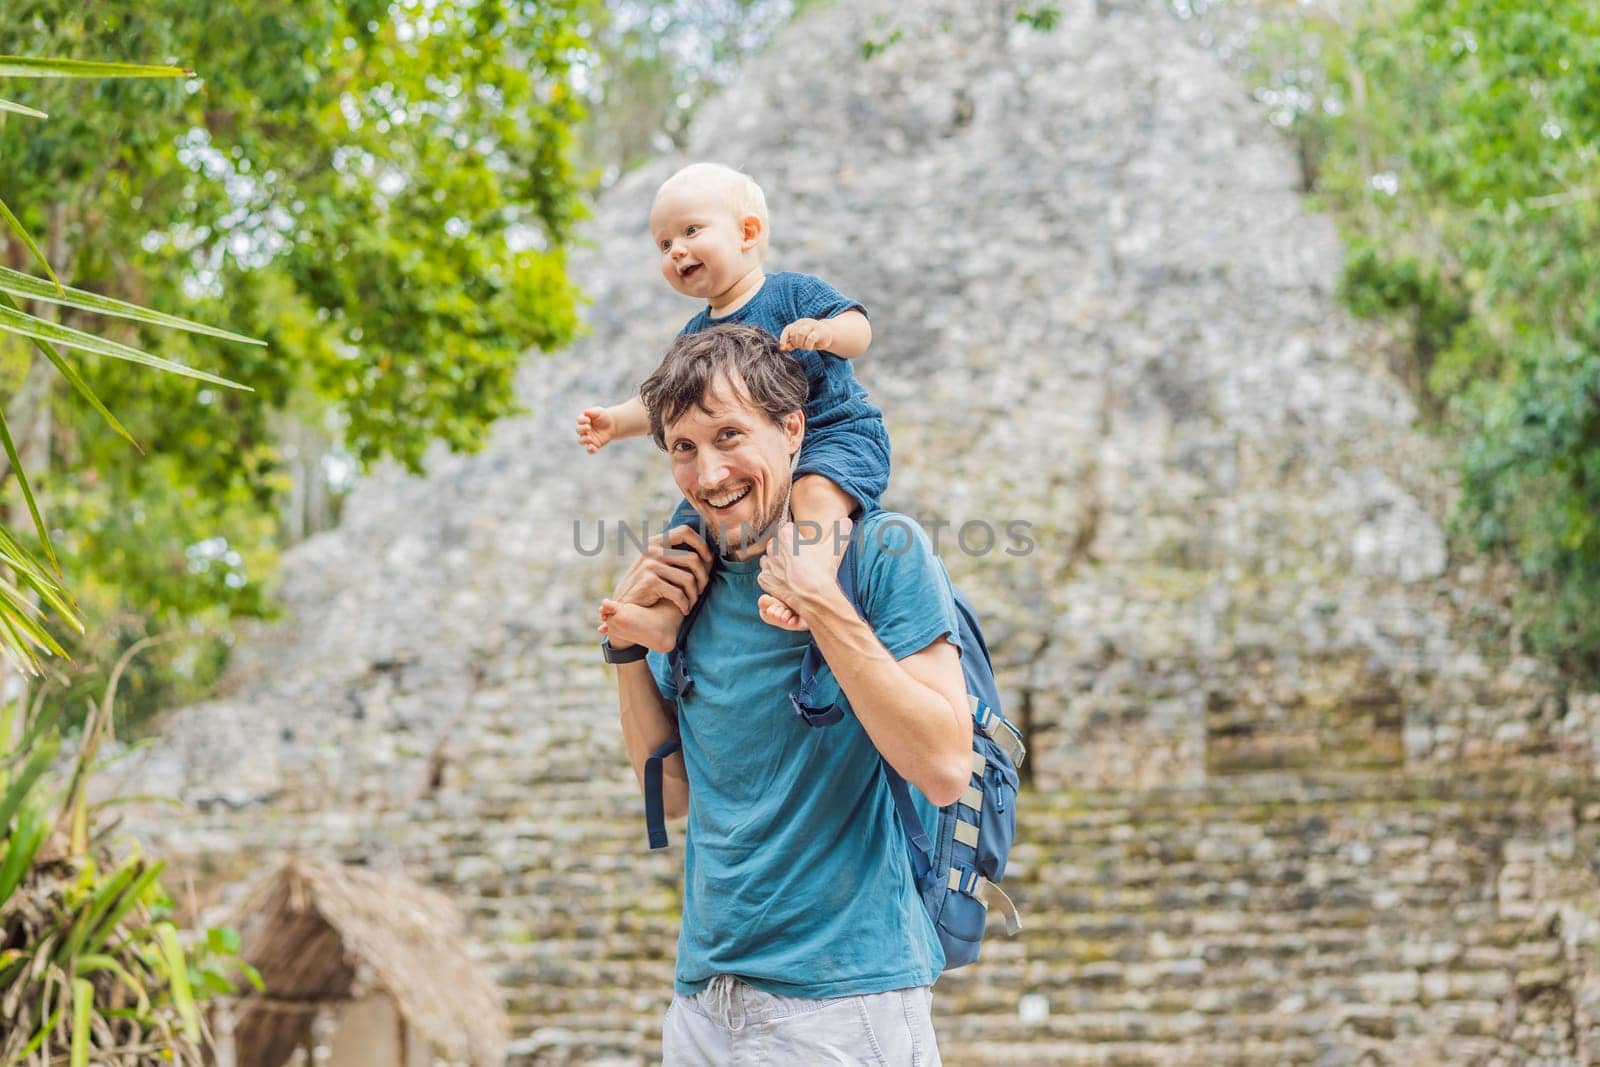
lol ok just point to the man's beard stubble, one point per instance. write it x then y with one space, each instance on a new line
745 535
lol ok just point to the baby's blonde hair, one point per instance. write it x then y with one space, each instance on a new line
740 191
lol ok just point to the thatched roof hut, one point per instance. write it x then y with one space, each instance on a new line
323 935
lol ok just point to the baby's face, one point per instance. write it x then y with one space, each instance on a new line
702 242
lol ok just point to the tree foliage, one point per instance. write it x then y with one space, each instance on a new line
1459 143
379 190
652 62
90 962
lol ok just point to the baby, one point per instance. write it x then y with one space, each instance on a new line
709 223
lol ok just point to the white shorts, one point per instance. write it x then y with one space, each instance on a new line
730 1022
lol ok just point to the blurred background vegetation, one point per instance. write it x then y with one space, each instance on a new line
384 192
1456 143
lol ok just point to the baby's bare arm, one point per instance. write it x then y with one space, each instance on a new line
632 418
846 335
852 334
598 427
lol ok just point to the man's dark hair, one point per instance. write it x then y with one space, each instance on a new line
745 356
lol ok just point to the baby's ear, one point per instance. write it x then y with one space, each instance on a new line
752 227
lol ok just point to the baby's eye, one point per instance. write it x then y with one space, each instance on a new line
690 231
665 245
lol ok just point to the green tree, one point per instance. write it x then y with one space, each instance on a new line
651 64
380 190
1458 141
90 961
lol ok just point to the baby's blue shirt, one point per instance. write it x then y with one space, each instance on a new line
833 394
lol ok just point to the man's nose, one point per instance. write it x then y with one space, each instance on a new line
713 470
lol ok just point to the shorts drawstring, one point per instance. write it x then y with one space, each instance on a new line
727 994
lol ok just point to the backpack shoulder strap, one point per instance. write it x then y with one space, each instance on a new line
677 667
921 845
811 663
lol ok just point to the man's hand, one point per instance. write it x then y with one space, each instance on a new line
815 334
674 568
801 569
596 428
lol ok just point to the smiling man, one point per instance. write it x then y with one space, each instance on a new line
803 939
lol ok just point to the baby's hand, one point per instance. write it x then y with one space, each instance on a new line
814 334
596 428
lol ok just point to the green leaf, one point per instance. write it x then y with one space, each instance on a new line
251 975
125 891
27 493
30 569
30 67
16 649
27 239
21 109
82 1006
25 285
117 906
22 613
12 321
19 788
94 963
21 846
70 373
222 939
42 724
43 1032
90 918
178 975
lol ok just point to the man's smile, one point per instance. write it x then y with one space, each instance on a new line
723 501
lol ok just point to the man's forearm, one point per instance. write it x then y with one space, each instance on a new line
646 724
925 734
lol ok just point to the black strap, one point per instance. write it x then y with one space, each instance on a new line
811 663
677 666
918 843
655 818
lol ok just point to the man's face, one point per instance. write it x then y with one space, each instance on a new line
704 247
732 463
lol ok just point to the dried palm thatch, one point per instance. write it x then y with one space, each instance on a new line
310 925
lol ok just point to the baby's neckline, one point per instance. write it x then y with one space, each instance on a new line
742 303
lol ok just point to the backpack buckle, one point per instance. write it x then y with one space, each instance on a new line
815 717
681 679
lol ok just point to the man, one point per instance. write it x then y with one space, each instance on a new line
803 937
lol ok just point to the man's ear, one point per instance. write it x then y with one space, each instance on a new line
751 228
794 430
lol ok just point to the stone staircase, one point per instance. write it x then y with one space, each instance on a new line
1356 918
1363 920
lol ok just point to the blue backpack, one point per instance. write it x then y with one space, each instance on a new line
958 861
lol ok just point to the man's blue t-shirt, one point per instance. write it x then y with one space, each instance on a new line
795 871
832 392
